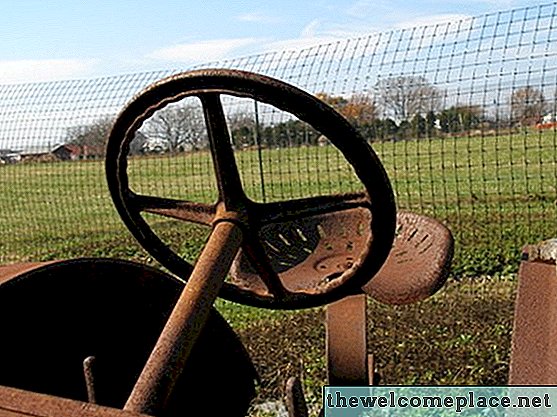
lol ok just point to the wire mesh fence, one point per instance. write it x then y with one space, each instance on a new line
462 114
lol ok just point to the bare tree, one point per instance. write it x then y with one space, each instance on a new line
180 126
92 134
528 105
91 138
404 97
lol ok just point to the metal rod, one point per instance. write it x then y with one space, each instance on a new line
295 399
88 364
164 366
259 152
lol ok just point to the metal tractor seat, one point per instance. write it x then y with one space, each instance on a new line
416 268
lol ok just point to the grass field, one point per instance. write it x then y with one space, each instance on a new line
496 193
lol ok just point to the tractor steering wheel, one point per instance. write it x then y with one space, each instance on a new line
375 206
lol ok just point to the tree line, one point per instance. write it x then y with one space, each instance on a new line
397 108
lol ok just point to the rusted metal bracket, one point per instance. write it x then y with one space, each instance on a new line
346 346
534 338
295 398
88 373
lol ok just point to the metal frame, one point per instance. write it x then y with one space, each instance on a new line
534 339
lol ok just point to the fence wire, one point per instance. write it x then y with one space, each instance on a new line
462 114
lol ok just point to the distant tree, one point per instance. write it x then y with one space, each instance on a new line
403 97
180 126
405 130
92 134
288 133
91 138
359 109
382 129
528 105
243 130
457 119
430 124
418 126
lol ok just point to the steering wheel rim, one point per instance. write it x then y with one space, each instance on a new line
233 204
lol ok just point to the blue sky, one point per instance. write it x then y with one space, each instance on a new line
60 39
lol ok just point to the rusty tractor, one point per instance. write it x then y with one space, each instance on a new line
107 337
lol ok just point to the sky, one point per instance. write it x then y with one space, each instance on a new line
44 40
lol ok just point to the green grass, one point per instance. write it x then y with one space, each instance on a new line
496 193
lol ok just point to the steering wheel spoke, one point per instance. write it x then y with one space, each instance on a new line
177 209
306 207
255 253
231 192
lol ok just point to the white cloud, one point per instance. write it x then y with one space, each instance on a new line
36 70
311 35
297 43
310 30
431 20
203 51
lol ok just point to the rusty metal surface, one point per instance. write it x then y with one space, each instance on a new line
8 272
166 362
310 251
271 289
418 264
115 310
416 268
295 398
325 246
533 358
346 346
19 403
